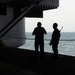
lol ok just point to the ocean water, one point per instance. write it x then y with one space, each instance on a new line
66 44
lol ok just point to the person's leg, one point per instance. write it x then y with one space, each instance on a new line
55 50
42 50
36 50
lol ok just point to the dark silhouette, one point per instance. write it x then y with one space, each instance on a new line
39 40
55 40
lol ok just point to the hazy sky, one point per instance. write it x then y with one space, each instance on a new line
64 15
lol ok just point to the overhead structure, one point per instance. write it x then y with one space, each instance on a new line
12 18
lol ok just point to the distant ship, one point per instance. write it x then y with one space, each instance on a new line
12 18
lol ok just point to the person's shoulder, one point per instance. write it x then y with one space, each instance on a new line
42 27
58 30
35 27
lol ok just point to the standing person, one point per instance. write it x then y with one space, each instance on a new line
39 40
55 40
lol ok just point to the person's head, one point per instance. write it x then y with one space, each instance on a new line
39 24
55 25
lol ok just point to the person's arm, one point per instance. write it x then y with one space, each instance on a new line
51 40
45 32
50 43
33 33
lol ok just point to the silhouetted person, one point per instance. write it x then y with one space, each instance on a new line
39 40
55 40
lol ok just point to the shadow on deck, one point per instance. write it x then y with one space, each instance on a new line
14 61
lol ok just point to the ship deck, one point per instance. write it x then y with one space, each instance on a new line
14 61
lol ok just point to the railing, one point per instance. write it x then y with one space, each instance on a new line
44 39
